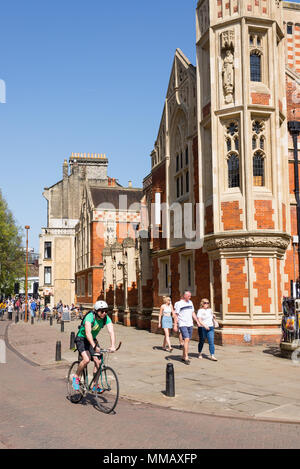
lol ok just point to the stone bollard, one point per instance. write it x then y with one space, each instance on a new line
51 321
170 381
62 326
58 351
72 340
16 318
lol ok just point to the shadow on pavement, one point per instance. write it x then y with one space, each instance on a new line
274 351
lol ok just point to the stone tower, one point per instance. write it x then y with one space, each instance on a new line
243 165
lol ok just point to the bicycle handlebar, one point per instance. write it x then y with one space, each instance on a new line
107 351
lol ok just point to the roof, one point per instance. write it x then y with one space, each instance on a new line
112 196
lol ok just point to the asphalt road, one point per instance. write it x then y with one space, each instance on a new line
35 414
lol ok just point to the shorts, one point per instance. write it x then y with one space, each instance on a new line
187 332
83 345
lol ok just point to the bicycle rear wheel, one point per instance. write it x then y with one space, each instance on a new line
109 384
75 396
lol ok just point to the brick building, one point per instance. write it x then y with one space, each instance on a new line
106 253
224 155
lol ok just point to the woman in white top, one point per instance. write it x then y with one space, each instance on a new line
165 321
207 331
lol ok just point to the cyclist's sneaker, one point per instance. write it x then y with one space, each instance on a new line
99 390
76 383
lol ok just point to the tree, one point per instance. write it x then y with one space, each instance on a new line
11 250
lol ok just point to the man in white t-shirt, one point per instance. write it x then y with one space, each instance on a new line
184 319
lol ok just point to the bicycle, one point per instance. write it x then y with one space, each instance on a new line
105 378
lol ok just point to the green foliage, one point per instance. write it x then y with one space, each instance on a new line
12 262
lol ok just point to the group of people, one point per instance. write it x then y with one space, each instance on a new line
181 318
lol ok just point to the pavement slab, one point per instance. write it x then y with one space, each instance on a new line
244 382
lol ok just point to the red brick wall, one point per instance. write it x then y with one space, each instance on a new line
231 216
263 214
201 277
237 290
279 289
217 285
262 283
260 98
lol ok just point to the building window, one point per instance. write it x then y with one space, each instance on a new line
177 163
189 272
166 276
232 154
259 147
233 171
258 169
90 284
289 29
177 188
47 276
186 156
255 67
164 269
47 251
82 286
187 182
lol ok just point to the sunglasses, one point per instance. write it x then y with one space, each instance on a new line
100 311
206 302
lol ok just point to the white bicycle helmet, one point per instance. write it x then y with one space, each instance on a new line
100 305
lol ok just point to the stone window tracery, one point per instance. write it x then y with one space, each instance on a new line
232 154
259 156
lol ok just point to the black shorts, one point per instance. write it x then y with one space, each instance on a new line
83 345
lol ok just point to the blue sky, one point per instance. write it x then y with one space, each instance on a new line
83 77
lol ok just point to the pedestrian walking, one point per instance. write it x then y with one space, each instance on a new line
33 307
181 341
165 321
206 330
184 319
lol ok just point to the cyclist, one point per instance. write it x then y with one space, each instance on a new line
86 341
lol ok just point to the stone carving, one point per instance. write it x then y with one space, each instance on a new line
279 242
227 46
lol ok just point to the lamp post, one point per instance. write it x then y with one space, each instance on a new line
123 265
26 275
294 129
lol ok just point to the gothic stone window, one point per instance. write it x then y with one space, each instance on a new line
259 155
256 54
182 173
232 154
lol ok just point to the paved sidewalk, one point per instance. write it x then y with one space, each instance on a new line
245 382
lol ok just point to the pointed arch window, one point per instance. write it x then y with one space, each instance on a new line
232 154
258 169
255 66
233 164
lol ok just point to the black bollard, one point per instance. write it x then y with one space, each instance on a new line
72 340
16 318
62 326
51 321
32 320
58 351
170 381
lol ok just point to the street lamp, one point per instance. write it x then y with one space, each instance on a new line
26 275
294 129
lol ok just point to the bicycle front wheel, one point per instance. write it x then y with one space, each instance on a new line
108 396
75 396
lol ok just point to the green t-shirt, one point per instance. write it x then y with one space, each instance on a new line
98 325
